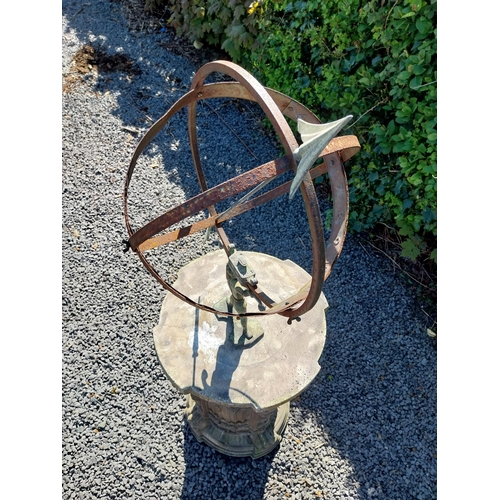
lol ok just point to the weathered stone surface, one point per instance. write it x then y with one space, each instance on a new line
193 349
197 352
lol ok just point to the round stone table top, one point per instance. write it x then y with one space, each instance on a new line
199 357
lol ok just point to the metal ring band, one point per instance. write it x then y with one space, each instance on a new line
290 108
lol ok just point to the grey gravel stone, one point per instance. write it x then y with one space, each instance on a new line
365 428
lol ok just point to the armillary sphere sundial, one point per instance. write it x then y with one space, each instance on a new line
246 337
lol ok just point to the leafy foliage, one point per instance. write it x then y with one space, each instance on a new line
374 59
229 24
377 61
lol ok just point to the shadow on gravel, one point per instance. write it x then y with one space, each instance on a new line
145 80
375 396
127 67
222 476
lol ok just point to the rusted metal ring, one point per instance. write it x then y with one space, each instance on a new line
289 142
276 106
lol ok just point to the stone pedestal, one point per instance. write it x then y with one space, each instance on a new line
238 395
237 431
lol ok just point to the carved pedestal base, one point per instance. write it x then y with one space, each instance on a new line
236 431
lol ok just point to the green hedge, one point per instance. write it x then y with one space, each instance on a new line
227 24
373 59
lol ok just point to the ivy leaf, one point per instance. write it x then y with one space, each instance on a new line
406 231
239 11
407 203
429 125
236 31
428 215
229 47
418 69
423 25
391 128
429 169
407 111
410 250
416 82
214 8
400 147
416 179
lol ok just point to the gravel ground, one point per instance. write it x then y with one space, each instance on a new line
365 428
